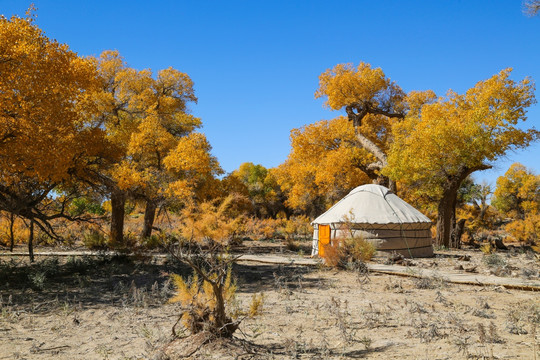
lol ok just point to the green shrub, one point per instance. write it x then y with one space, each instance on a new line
95 240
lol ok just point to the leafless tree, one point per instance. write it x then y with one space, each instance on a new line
531 7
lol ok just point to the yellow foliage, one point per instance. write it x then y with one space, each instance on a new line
190 163
487 248
20 230
342 251
344 85
216 220
460 132
260 229
47 124
145 116
323 165
518 192
526 230
296 227
256 305
199 300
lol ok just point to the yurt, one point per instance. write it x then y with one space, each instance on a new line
379 216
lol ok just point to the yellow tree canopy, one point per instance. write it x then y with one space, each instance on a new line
518 192
147 117
190 163
442 142
373 103
323 165
45 93
361 86
461 131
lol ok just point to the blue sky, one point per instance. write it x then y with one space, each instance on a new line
255 64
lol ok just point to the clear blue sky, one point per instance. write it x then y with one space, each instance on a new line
255 64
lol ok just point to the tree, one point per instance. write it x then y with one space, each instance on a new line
262 189
372 103
531 7
324 164
518 192
147 119
442 142
47 134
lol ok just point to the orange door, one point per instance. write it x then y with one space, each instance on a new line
324 238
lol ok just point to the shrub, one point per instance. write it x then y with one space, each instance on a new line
526 230
297 227
94 239
208 297
494 260
261 229
342 252
213 221
205 303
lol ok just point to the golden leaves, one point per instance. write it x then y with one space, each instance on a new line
517 192
323 162
439 137
344 85
45 112
147 118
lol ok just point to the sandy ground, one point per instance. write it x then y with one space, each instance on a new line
116 309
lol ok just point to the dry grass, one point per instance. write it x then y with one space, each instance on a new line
116 308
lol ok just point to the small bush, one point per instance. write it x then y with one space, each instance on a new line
95 240
297 227
77 264
487 248
261 229
494 260
153 242
344 252
205 304
208 298
37 279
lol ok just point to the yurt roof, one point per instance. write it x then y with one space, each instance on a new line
372 204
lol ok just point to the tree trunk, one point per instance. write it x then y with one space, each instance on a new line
483 210
392 186
11 233
118 203
149 217
458 233
31 241
225 327
444 218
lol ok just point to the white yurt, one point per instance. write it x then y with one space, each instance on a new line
380 217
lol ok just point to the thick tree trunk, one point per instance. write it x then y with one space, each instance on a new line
370 146
31 242
458 233
11 233
149 217
356 113
118 203
446 209
446 218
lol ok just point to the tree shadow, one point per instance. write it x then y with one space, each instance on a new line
268 277
295 349
85 281
122 280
